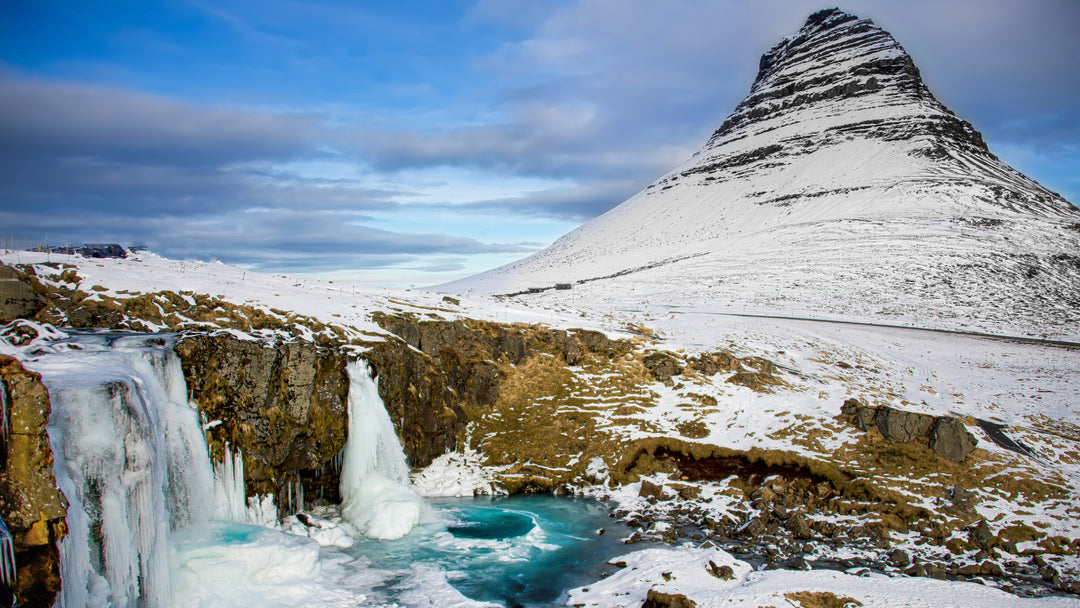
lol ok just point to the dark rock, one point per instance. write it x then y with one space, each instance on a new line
689 492
864 418
798 526
572 353
951 439
724 572
851 406
662 366
798 563
969 570
658 599
900 426
916 570
650 489
981 535
753 528
101 250
899 558
18 300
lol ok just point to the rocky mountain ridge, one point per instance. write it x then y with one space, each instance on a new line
841 186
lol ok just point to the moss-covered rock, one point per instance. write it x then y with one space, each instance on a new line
30 503
284 405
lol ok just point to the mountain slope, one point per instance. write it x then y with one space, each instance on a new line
840 185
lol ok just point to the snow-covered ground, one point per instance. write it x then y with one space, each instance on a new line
686 571
1027 386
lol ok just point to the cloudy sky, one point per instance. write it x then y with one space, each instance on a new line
415 142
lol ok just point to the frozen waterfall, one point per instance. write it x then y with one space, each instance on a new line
376 498
150 517
131 459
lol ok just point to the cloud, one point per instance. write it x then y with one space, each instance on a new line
577 203
48 119
262 238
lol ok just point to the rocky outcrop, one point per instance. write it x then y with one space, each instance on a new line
436 371
18 300
662 366
659 599
951 439
30 503
945 435
284 405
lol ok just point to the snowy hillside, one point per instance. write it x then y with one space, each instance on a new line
838 187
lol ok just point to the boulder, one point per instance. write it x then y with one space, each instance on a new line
659 599
798 526
900 558
951 439
651 489
900 426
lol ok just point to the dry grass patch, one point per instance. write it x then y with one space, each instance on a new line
820 599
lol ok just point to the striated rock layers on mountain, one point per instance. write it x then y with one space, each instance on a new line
840 185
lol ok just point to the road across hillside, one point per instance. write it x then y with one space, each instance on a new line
956 332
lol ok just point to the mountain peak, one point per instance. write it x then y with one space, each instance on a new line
835 57
839 163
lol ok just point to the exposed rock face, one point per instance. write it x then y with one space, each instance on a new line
18 300
944 434
442 369
898 425
284 405
30 503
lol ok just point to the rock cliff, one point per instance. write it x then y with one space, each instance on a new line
30 503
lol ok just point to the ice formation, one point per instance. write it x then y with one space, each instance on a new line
7 555
131 459
229 488
376 498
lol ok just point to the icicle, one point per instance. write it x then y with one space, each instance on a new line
229 485
299 492
4 426
7 555
336 462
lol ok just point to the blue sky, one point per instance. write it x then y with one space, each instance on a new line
412 143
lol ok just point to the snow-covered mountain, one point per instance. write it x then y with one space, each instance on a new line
839 186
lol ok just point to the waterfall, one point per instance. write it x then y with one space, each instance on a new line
130 457
376 498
